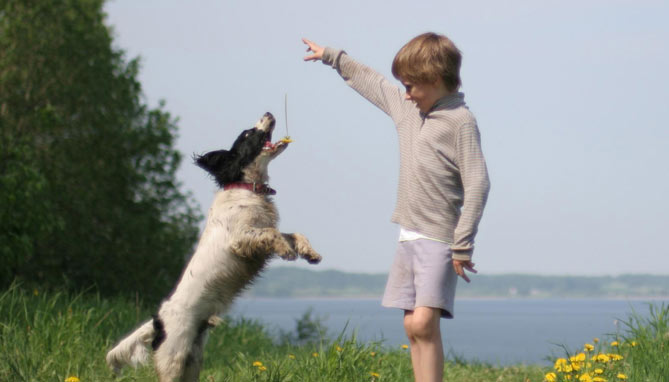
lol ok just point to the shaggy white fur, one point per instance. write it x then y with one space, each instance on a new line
239 238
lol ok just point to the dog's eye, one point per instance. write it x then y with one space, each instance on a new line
247 134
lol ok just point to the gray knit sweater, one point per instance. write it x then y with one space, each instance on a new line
443 180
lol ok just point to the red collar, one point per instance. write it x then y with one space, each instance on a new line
261 189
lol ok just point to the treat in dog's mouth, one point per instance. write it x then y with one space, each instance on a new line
269 146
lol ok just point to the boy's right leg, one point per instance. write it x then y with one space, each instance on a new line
427 355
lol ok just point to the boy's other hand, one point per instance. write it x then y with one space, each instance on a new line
460 266
315 48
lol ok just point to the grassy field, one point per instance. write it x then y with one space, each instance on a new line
59 337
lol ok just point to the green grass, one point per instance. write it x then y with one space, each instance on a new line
52 336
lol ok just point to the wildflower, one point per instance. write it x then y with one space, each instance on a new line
72 378
373 354
257 364
405 347
585 378
621 376
580 357
595 340
599 379
633 343
588 347
375 375
291 356
315 354
550 377
339 349
262 368
614 343
560 363
599 371
615 357
601 358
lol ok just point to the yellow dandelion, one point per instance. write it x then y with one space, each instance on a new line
291 356
405 346
602 358
72 379
560 363
257 363
588 347
633 343
262 368
615 357
585 378
375 375
315 354
373 354
595 340
339 349
599 379
621 376
614 343
550 377
580 357
599 371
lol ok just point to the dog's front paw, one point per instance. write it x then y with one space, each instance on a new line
284 251
305 250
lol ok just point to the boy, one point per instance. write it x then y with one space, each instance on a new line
443 184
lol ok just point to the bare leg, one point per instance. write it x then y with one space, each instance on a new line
427 353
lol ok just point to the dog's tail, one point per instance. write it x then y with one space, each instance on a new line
133 349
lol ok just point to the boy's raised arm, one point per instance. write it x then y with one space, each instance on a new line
366 81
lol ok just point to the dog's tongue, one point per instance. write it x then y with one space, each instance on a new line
269 145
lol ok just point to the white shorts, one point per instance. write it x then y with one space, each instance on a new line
422 275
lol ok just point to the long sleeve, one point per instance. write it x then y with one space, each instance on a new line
369 83
476 184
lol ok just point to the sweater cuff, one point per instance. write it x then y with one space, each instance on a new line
462 255
330 55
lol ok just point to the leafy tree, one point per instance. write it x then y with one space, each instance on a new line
88 187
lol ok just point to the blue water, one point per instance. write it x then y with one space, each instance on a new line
496 331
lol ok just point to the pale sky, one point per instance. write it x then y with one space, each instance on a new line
570 98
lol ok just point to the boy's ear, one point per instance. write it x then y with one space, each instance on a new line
221 165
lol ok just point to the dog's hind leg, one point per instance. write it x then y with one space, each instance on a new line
132 350
196 357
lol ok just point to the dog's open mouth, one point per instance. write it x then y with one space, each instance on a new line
269 146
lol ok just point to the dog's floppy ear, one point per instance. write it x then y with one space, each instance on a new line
221 164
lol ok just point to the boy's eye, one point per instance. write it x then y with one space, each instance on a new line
408 88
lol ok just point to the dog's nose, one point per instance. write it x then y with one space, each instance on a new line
269 115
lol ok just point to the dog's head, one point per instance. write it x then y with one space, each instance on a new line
247 159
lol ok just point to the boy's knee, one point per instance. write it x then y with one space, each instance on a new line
423 325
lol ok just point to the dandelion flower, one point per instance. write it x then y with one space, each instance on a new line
621 376
339 349
262 368
405 346
560 363
580 357
550 377
373 354
315 354
375 375
614 343
615 357
599 371
602 358
633 343
72 379
257 363
291 356
585 378
599 379
588 347
595 340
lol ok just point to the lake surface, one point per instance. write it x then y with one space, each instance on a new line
497 331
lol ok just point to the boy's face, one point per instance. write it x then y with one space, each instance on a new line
424 95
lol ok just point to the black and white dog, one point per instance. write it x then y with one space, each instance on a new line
238 240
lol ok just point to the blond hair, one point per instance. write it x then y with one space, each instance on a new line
428 57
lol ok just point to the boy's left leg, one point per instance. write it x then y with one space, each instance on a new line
422 326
